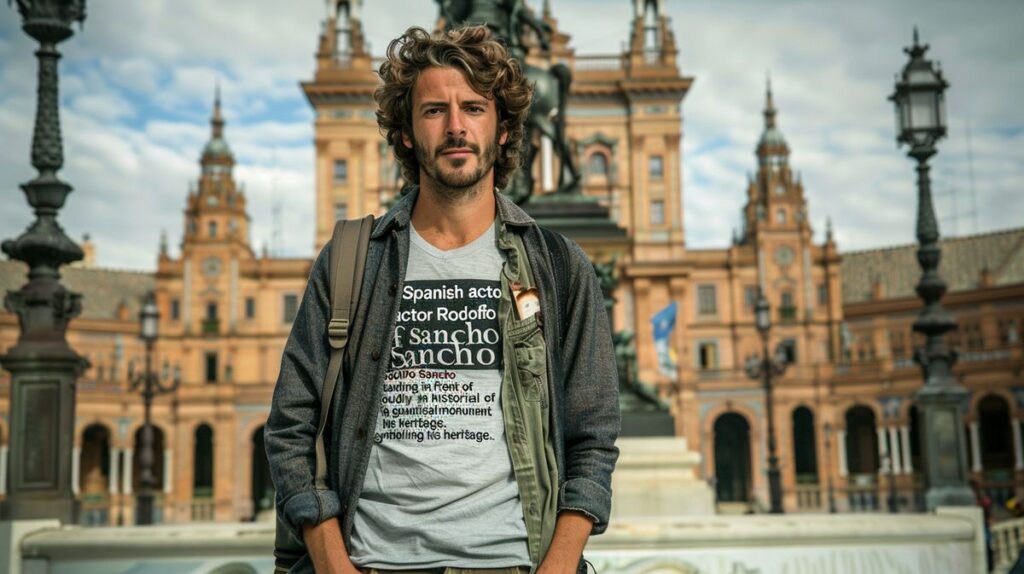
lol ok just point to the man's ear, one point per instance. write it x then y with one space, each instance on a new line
406 140
503 138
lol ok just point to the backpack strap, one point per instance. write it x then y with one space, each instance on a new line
348 262
559 255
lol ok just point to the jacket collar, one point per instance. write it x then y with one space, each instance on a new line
398 216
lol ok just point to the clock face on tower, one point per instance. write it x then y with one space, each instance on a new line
784 256
211 267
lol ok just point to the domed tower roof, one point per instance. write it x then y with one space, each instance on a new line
217 147
772 145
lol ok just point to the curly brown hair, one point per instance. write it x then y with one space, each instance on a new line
489 71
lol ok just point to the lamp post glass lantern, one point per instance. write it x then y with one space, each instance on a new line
920 123
764 369
151 385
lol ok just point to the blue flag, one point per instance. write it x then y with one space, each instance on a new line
664 322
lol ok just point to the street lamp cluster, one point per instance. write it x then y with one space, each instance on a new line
764 369
149 384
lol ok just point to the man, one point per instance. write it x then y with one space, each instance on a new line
474 430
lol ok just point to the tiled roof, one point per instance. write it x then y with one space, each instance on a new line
963 260
103 290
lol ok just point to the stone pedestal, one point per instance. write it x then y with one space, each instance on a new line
656 477
11 534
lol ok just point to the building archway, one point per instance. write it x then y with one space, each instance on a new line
94 476
732 458
996 436
202 474
262 486
805 456
861 441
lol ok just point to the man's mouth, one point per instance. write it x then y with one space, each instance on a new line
458 152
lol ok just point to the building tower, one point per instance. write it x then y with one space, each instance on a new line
215 241
355 174
799 278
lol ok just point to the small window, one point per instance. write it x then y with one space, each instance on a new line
749 297
707 355
175 309
780 215
658 212
656 167
212 228
787 307
291 307
788 350
598 164
211 367
340 171
706 300
211 311
822 294
250 307
340 211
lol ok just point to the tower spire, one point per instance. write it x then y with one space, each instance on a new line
217 120
769 105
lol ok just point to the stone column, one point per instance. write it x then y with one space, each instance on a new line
894 446
975 447
841 443
168 475
908 463
126 484
3 470
115 470
547 173
884 459
1018 452
76 470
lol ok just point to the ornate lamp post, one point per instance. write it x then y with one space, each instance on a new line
152 385
920 123
43 367
764 369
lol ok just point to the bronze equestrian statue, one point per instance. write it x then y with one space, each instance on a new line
508 20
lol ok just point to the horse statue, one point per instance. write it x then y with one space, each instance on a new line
508 20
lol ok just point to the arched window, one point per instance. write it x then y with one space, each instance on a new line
861 441
732 458
262 486
598 164
202 474
805 457
780 215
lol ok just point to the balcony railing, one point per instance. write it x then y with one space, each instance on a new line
1007 539
211 326
787 314
862 493
808 496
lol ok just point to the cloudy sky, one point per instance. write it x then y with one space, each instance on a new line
137 85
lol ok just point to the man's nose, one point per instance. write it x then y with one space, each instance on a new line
455 127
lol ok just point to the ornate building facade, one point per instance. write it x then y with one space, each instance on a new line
844 413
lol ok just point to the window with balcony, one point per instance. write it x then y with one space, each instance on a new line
787 308
211 323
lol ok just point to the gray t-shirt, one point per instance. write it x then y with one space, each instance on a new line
439 489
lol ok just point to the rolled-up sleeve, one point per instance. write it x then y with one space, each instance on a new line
290 433
592 419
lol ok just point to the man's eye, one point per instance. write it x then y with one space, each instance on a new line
433 111
475 109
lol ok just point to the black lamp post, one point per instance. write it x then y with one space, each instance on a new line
43 366
764 369
152 385
920 123
828 475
